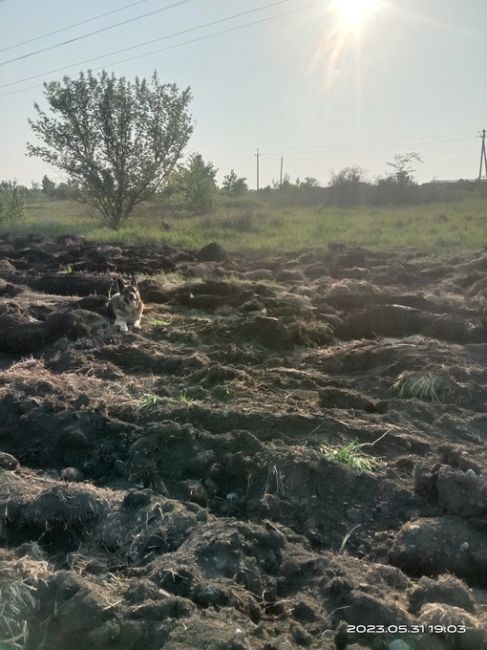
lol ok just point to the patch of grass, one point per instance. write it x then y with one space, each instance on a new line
426 386
275 482
352 455
312 333
18 584
182 399
269 228
148 401
158 322
346 538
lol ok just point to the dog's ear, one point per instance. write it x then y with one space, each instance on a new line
120 285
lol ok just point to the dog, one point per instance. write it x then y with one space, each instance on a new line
126 307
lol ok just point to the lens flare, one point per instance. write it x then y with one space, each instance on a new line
354 13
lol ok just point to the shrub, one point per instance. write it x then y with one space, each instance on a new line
12 201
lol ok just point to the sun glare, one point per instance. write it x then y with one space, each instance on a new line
354 13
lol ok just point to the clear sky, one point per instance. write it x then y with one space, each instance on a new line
319 86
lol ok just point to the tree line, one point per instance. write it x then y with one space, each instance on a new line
120 143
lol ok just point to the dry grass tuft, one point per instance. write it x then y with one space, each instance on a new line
19 579
426 386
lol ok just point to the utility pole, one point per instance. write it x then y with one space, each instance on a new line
280 177
483 157
258 170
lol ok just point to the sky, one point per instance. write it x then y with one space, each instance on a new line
310 82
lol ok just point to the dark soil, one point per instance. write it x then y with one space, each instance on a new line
175 487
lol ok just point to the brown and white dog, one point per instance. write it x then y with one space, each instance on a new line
126 306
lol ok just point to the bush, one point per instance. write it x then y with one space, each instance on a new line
193 185
233 185
12 201
348 186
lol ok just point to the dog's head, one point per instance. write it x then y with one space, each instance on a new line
129 292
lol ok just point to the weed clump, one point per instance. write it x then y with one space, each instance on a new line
352 455
426 386
19 579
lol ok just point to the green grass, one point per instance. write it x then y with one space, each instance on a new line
148 401
426 386
182 400
438 227
158 322
352 455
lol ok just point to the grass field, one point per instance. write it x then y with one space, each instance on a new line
261 227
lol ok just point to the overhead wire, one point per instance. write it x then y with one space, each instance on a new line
426 140
97 31
165 37
78 24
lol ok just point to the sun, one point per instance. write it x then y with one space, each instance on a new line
354 13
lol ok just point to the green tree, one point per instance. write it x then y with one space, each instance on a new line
117 140
48 186
69 190
399 186
347 185
310 181
233 185
286 182
403 173
194 183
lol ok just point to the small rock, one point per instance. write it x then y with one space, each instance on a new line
202 515
211 253
7 461
71 475
136 499
302 637
210 595
304 613
7 267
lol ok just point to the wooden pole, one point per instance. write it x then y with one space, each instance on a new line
258 170
483 157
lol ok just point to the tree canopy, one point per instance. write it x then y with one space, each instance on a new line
118 140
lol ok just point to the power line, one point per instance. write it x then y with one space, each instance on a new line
440 139
167 36
81 22
97 31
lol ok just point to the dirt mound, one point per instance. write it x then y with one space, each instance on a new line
290 452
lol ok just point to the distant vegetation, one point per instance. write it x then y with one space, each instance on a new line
453 218
12 200
120 146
